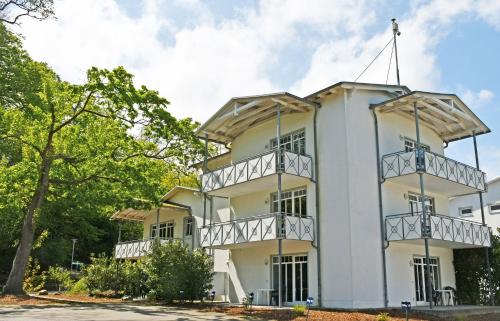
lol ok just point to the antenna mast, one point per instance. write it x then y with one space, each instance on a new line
396 32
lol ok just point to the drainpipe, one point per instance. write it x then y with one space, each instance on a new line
318 225
420 155
205 168
384 245
211 199
157 236
279 219
486 250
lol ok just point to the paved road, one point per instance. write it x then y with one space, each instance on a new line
118 312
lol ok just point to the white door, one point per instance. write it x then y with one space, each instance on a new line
294 271
422 295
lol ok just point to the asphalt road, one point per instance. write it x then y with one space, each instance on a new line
118 312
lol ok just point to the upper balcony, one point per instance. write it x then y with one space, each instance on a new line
235 179
441 230
444 175
257 229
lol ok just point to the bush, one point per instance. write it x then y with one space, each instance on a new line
171 268
383 317
60 277
299 310
34 280
80 287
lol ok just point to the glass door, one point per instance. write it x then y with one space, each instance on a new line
294 286
422 294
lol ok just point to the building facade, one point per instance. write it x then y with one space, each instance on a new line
326 195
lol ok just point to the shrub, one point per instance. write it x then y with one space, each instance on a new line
102 274
107 294
383 317
133 279
171 268
34 280
80 287
299 310
59 276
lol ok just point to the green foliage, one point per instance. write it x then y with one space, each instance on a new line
60 277
472 276
299 310
79 287
383 317
34 279
172 267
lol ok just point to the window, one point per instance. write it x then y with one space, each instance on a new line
415 203
188 226
494 208
411 144
166 230
292 202
465 211
293 142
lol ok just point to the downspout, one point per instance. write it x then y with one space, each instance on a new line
318 225
384 243
279 217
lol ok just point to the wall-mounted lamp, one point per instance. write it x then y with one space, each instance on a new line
410 262
266 261
266 200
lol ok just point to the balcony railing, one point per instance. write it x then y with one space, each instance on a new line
403 163
136 249
439 227
257 167
258 228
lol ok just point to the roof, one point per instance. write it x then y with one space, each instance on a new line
493 181
241 113
176 189
131 214
446 114
361 85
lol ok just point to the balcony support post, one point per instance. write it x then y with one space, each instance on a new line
205 169
425 227
279 219
157 234
119 231
481 205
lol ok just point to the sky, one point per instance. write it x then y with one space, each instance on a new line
199 54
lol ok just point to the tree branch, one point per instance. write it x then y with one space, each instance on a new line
22 141
75 115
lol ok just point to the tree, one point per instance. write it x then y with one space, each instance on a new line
106 133
12 10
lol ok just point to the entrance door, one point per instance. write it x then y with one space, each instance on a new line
294 286
422 294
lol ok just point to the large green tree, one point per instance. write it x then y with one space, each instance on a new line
62 142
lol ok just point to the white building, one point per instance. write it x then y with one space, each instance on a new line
344 167
469 206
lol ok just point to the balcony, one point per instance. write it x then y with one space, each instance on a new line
257 229
234 178
136 249
442 230
445 176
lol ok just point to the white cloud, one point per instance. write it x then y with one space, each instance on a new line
476 99
211 60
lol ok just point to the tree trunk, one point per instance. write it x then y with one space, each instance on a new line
16 276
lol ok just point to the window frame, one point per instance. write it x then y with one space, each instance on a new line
460 209
297 194
166 226
408 149
289 138
492 211
188 221
430 198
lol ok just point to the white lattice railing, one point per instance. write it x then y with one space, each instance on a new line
257 167
403 163
136 249
439 227
257 228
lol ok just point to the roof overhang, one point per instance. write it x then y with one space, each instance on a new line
176 189
131 214
241 113
330 90
446 114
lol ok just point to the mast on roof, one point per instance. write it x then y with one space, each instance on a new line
396 32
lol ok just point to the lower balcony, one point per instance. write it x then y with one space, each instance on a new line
441 230
136 249
257 229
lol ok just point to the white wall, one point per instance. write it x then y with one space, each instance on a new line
492 196
400 273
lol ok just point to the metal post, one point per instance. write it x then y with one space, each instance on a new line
420 155
486 250
119 231
157 235
205 169
279 218
73 253
396 32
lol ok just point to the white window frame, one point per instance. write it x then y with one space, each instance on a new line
418 202
188 222
295 195
167 227
494 211
460 213
409 145
288 141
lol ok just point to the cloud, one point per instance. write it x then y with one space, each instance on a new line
476 99
199 65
